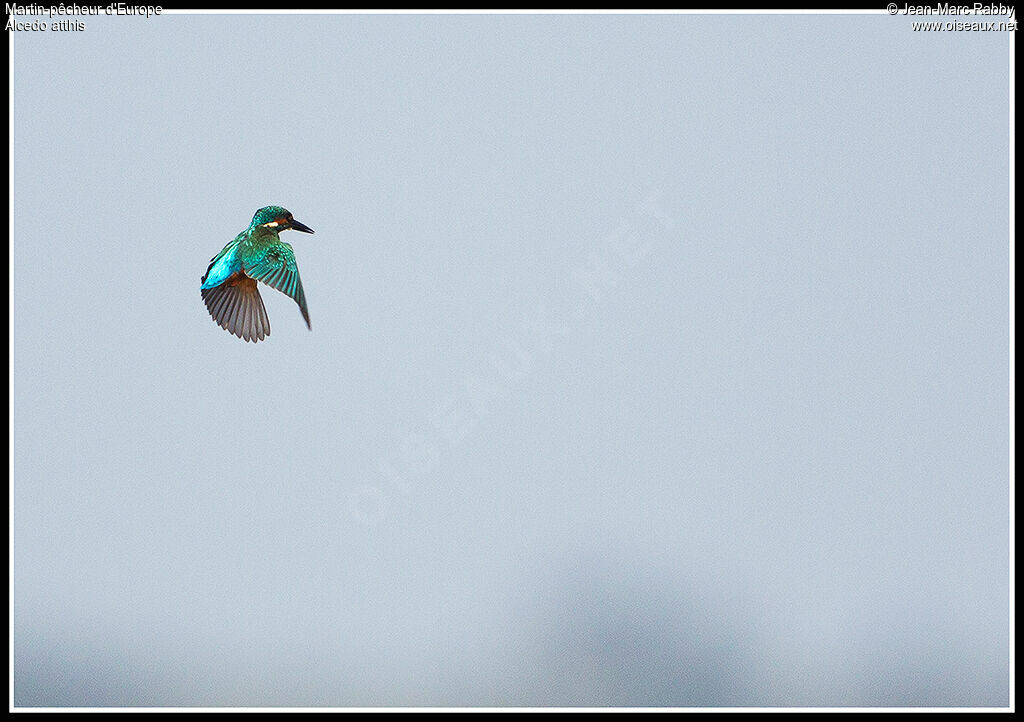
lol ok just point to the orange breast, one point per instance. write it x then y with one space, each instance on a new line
240 279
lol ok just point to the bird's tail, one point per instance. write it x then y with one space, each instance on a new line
236 306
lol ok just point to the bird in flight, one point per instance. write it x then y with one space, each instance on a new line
256 254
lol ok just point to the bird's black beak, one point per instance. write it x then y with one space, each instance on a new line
296 226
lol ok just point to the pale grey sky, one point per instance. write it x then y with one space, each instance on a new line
656 360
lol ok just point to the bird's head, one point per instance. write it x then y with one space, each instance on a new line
278 218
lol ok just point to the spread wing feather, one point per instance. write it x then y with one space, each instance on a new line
236 306
276 267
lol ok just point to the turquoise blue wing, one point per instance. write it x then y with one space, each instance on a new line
275 266
222 266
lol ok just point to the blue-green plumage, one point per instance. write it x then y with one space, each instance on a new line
256 254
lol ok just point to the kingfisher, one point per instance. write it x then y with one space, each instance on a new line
257 254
